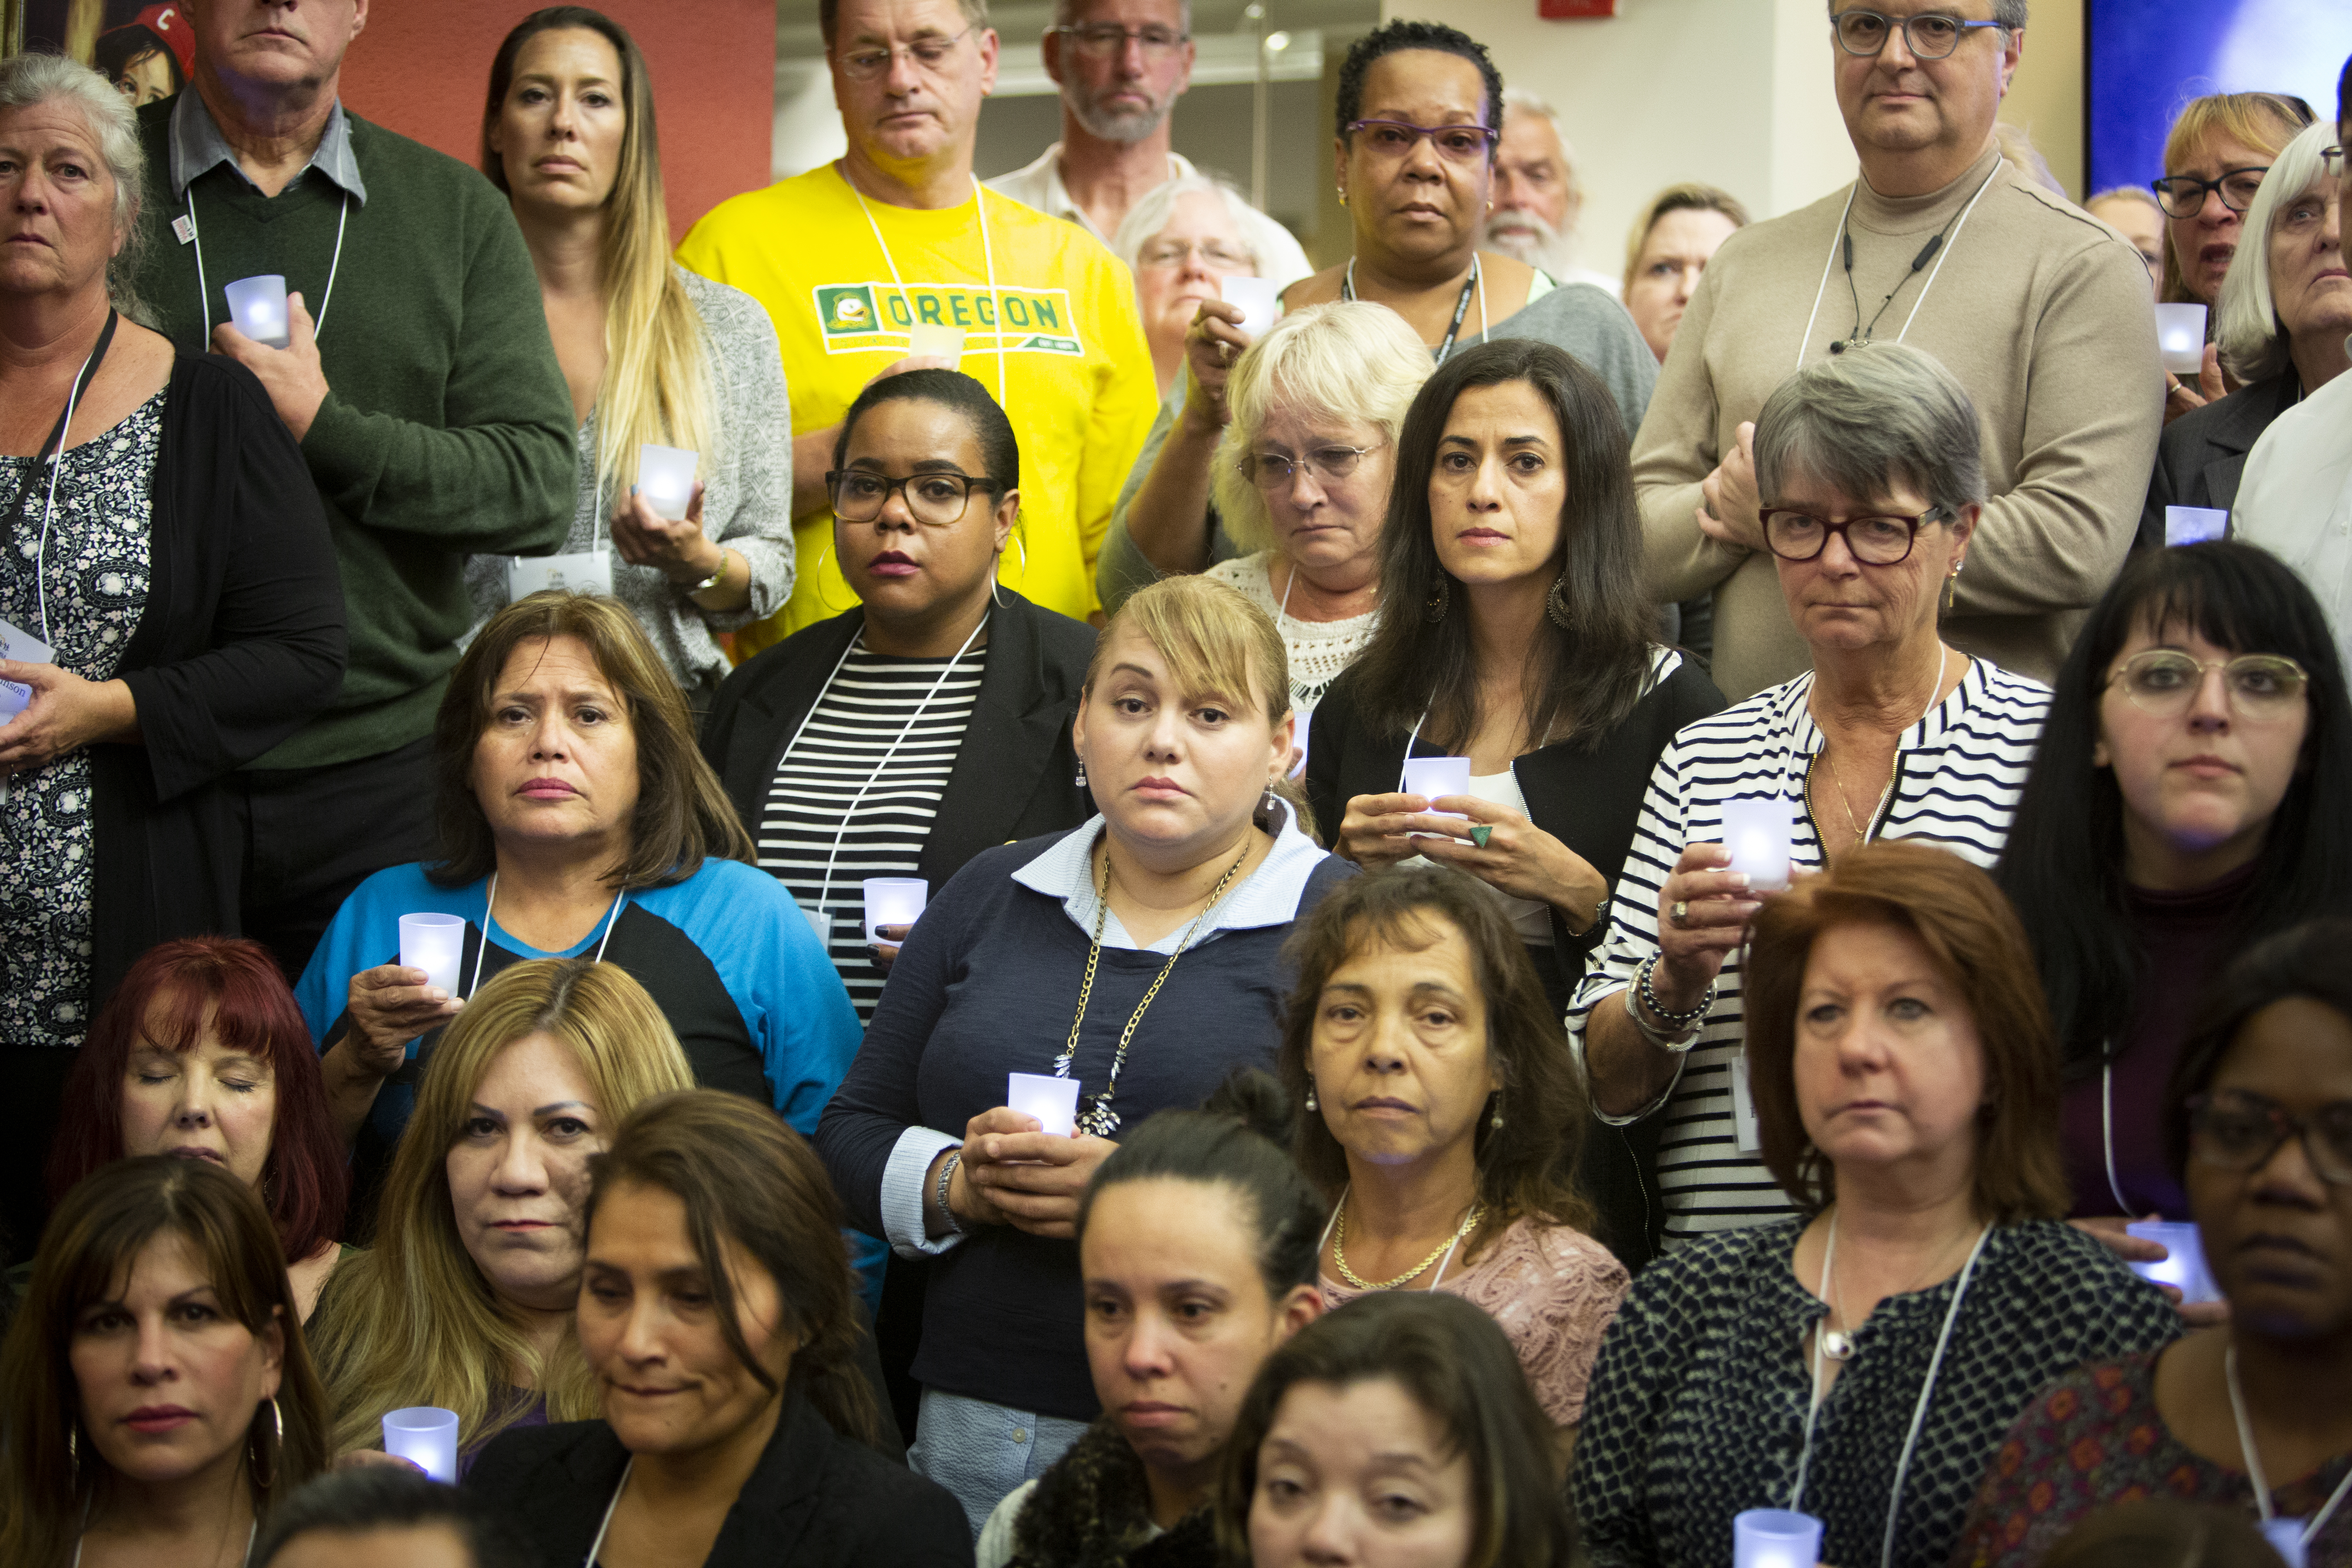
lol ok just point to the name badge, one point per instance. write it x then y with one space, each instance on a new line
1743 1108
21 646
586 571
820 922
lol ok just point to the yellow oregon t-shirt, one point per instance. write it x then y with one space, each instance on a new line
1078 378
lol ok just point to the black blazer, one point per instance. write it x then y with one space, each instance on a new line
240 644
816 1499
2202 454
1588 799
1015 775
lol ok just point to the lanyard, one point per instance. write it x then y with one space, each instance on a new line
988 256
2254 1460
1918 1411
1478 280
490 901
825 888
1843 236
204 294
604 1528
53 453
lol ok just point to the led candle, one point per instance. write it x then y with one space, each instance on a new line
427 1437
1053 1102
258 306
1775 1538
1758 833
1258 298
435 945
2180 334
666 479
893 901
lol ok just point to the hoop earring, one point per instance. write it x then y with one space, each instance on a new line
1433 609
1555 603
278 1447
73 1438
824 601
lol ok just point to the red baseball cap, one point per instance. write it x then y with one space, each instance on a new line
172 28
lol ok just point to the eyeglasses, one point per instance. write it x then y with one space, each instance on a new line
2164 682
2331 162
1930 35
936 498
2234 1130
2183 196
1103 40
1272 470
1873 540
1395 138
929 54
1216 258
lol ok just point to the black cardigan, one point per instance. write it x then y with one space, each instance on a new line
2202 454
815 1499
1586 798
1015 774
240 643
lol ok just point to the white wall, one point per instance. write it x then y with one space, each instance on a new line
1734 92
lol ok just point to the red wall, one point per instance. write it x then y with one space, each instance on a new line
421 66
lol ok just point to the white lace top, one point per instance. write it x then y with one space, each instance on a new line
1319 650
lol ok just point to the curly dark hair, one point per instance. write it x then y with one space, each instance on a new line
1391 36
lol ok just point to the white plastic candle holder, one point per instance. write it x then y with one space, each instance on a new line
2184 1265
932 342
435 945
666 479
893 901
1759 834
1260 300
258 306
1053 1102
1775 1538
427 1437
2180 335
1430 777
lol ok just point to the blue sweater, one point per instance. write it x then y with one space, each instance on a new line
986 985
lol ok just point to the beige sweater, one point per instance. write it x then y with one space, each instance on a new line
2040 310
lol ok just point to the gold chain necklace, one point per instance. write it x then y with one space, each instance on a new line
1099 1118
1339 1249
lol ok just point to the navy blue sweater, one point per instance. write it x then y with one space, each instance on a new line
986 985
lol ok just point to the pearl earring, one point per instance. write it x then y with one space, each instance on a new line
1310 1097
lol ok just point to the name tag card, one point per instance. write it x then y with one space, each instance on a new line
1743 1108
587 571
24 648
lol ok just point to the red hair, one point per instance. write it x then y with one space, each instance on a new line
235 986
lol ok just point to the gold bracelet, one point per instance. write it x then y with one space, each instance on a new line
717 579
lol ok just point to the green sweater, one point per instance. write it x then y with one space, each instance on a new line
447 427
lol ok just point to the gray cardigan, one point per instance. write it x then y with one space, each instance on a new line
746 504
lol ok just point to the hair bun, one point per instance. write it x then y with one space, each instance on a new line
1257 1099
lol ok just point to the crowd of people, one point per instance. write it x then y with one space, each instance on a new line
498 931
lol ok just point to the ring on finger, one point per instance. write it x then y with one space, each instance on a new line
1680 913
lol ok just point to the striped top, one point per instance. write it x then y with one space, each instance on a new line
1957 777
871 700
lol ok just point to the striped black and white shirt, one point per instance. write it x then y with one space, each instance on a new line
871 700
1957 776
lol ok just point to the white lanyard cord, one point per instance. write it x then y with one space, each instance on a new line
825 888
1918 1411
1946 254
1410 737
597 1545
252 1531
2254 1463
1321 1240
987 256
491 900
1823 292
48 502
204 294
1943 254
2107 1130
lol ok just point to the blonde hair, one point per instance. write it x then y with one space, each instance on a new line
413 1321
1348 359
1689 196
2265 121
656 388
1215 641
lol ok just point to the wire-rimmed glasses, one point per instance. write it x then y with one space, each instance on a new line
1455 143
1104 39
930 53
2164 681
1273 470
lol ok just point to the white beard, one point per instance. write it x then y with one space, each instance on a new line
1529 238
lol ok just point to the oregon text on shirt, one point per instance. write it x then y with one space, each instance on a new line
859 318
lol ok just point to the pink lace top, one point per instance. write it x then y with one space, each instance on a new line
1553 1290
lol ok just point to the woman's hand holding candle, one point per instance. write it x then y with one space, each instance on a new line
1715 906
1024 1177
1511 855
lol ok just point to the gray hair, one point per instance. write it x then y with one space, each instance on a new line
2010 14
29 80
2246 324
1348 359
1066 13
1878 416
2139 194
1150 214
1525 100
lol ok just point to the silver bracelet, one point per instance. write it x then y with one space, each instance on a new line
947 1174
1676 1045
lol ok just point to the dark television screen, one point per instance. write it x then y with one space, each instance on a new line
2149 56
